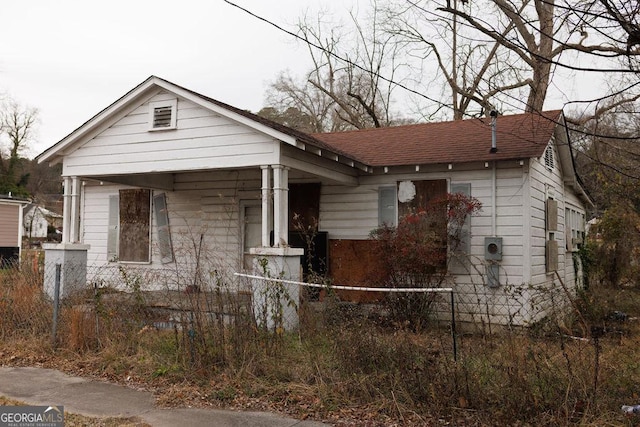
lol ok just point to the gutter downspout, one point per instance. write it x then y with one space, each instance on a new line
494 180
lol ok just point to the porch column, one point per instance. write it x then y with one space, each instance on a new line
69 254
280 205
66 210
266 205
71 210
74 221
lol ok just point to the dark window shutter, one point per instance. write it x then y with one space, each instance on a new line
462 248
387 202
112 231
164 233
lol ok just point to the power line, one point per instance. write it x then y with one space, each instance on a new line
422 95
336 56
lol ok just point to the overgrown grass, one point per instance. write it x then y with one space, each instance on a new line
341 365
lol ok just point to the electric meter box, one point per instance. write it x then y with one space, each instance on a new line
493 248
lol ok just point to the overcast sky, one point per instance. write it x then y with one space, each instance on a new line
71 58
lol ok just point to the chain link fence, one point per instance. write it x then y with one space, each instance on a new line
124 299
195 320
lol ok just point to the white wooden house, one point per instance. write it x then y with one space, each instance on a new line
165 176
10 229
37 220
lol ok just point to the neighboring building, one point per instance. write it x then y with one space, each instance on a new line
10 229
164 170
38 220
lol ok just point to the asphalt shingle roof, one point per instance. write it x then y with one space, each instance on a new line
518 136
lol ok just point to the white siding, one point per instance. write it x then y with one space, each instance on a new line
545 182
203 218
35 225
546 287
202 140
352 212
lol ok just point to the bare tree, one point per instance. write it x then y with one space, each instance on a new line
345 88
16 130
475 69
490 50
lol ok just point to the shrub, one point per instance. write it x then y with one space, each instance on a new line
415 254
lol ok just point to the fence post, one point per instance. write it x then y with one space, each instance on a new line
453 328
56 301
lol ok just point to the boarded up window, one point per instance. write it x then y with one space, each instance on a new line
135 222
164 233
552 255
415 197
304 206
355 263
552 215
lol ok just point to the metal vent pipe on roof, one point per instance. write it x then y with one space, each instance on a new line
494 143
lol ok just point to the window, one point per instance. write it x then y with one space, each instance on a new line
415 197
551 247
574 229
129 237
163 114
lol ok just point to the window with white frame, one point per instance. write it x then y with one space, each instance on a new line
163 115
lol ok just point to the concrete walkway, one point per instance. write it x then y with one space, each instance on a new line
44 387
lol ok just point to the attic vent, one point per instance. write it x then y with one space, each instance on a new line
162 115
548 158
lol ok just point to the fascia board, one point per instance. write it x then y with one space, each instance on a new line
189 96
53 153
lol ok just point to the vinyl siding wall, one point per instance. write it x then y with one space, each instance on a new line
549 289
351 213
9 225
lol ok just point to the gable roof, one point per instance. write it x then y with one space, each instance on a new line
518 136
153 84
